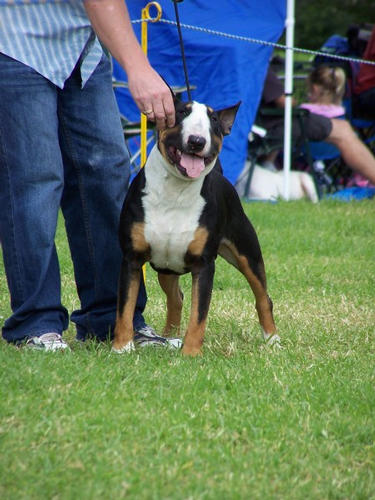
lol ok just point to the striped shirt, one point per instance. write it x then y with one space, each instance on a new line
49 36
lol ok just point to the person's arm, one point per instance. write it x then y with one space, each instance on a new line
110 20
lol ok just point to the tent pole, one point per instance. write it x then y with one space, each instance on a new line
288 89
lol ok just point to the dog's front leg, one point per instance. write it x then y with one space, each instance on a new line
127 298
200 303
171 288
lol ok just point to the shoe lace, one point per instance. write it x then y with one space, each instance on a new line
147 331
51 337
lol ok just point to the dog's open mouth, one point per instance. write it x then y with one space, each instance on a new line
188 164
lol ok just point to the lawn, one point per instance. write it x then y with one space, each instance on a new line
242 422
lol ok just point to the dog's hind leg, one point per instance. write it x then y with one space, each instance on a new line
200 303
170 286
127 298
250 263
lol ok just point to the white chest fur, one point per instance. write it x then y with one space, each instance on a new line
172 210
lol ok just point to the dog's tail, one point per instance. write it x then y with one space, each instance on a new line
308 187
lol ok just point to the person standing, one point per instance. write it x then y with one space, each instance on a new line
62 146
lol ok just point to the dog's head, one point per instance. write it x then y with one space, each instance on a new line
192 146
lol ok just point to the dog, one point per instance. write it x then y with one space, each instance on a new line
179 214
268 185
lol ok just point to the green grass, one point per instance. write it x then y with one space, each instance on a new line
241 422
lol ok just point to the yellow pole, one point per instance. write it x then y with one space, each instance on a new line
145 18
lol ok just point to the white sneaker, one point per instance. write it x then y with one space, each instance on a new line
146 336
47 342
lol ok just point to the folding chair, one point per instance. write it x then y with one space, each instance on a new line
364 126
270 143
366 131
260 143
326 165
322 160
132 133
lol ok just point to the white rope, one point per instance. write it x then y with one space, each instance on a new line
263 42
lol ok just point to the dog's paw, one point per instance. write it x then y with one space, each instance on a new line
174 343
129 347
191 351
272 339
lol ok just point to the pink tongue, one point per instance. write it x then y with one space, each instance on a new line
193 165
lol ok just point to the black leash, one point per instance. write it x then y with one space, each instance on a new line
175 2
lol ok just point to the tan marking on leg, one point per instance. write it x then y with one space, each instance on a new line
137 235
124 332
170 286
226 252
196 247
263 303
195 332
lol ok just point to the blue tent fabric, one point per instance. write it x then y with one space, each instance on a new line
223 70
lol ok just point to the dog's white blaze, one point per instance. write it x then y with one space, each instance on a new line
172 209
197 123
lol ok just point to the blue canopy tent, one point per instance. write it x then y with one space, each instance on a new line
223 69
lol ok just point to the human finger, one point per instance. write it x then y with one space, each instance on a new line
159 115
169 109
148 112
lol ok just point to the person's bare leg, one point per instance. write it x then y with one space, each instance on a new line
353 151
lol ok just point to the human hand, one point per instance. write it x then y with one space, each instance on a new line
153 97
111 22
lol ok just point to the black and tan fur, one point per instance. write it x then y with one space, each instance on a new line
197 216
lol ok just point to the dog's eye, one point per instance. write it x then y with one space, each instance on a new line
183 113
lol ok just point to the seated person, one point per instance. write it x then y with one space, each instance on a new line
364 88
326 88
317 128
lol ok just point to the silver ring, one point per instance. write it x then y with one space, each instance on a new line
147 112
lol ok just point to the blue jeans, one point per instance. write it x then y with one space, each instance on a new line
61 149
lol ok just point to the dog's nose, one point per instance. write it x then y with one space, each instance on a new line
196 143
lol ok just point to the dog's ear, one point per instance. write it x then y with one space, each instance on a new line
227 116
